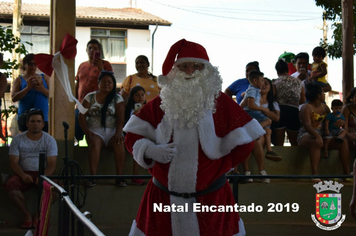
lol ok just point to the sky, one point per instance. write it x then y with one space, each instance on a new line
235 32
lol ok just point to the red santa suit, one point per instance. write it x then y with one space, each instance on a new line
205 152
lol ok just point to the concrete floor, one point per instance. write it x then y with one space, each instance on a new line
113 208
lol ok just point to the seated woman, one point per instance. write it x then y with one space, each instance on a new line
312 116
349 112
102 124
272 112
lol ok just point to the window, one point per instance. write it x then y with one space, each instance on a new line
38 36
113 42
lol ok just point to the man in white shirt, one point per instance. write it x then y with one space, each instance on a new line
24 162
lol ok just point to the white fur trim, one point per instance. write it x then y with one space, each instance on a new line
161 135
191 59
184 166
184 223
138 126
138 152
135 231
164 132
242 231
182 174
215 147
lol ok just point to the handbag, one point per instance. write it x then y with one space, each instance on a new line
23 115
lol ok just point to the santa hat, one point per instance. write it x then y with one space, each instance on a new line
184 51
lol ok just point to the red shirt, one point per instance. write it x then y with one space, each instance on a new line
87 78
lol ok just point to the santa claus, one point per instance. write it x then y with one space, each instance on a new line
188 138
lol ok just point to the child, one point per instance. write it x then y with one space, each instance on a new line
267 101
253 97
330 128
136 100
318 68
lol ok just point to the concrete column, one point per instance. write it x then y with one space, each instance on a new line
347 47
62 21
16 24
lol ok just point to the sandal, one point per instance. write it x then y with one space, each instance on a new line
326 154
121 183
271 155
35 221
26 225
138 182
90 183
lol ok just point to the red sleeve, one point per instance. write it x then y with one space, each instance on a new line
130 140
150 113
231 116
240 153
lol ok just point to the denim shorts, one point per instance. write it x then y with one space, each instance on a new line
259 116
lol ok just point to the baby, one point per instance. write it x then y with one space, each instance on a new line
330 129
318 68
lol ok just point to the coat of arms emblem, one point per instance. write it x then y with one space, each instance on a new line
328 205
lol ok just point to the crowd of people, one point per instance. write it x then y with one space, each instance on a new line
102 124
299 111
203 124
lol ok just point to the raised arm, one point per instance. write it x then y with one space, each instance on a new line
40 86
16 93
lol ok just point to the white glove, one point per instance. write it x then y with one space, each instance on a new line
162 153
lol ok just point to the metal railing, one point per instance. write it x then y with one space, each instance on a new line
235 179
66 206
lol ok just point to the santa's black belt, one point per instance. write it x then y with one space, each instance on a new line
217 184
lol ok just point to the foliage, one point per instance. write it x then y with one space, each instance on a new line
8 43
333 12
7 112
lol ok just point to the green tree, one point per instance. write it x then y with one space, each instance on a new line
8 43
333 12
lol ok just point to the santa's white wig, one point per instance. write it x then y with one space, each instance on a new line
186 100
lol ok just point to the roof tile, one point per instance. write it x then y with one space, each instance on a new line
111 14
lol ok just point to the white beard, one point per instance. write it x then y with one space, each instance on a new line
186 101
